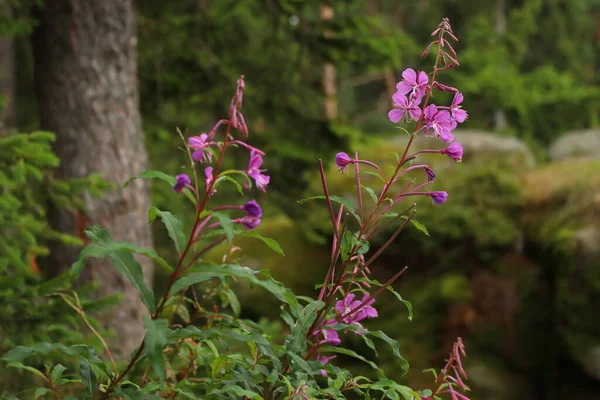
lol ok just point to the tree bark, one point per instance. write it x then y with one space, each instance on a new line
7 75
500 119
328 74
85 55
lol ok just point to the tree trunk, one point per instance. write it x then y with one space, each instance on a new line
7 75
500 119
85 54
329 72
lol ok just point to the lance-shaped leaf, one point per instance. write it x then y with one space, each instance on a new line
122 259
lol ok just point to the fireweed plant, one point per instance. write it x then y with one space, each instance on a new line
196 346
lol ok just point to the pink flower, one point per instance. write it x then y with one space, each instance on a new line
440 122
199 144
348 304
456 110
324 360
413 84
403 109
329 335
250 222
255 172
430 174
183 180
341 160
252 209
208 178
454 151
438 197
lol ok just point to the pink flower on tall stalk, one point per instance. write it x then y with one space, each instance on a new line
347 304
440 122
341 160
253 215
456 110
403 108
329 335
438 197
454 151
200 144
182 181
413 84
208 176
252 209
255 172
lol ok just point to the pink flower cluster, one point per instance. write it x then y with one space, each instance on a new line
204 148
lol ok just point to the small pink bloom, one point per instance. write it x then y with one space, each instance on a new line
183 180
200 145
341 160
440 122
454 151
403 108
255 172
413 84
438 197
456 110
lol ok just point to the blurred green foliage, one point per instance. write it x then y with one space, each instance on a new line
30 310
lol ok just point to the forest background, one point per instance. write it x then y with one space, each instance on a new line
512 263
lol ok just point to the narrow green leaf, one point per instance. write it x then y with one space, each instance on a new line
57 372
152 174
230 179
417 225
122 260
88 377
371 193
18 353
395 348
156 340
348 352
271 243
348 207
296 340
346 245
226 224
173 225
39 392
18 365
203 273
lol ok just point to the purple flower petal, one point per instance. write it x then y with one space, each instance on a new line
395 115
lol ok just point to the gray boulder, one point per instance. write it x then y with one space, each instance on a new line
584 143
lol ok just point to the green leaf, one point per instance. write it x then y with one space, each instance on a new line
348 352
15 364
122 260
371 193
271 243
57 372
156 341
230 179
237 391
335 199
203 273
39 392
346 245
395 348
88 377
296 340
417 225
18 353
152 174
226 224
173 225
